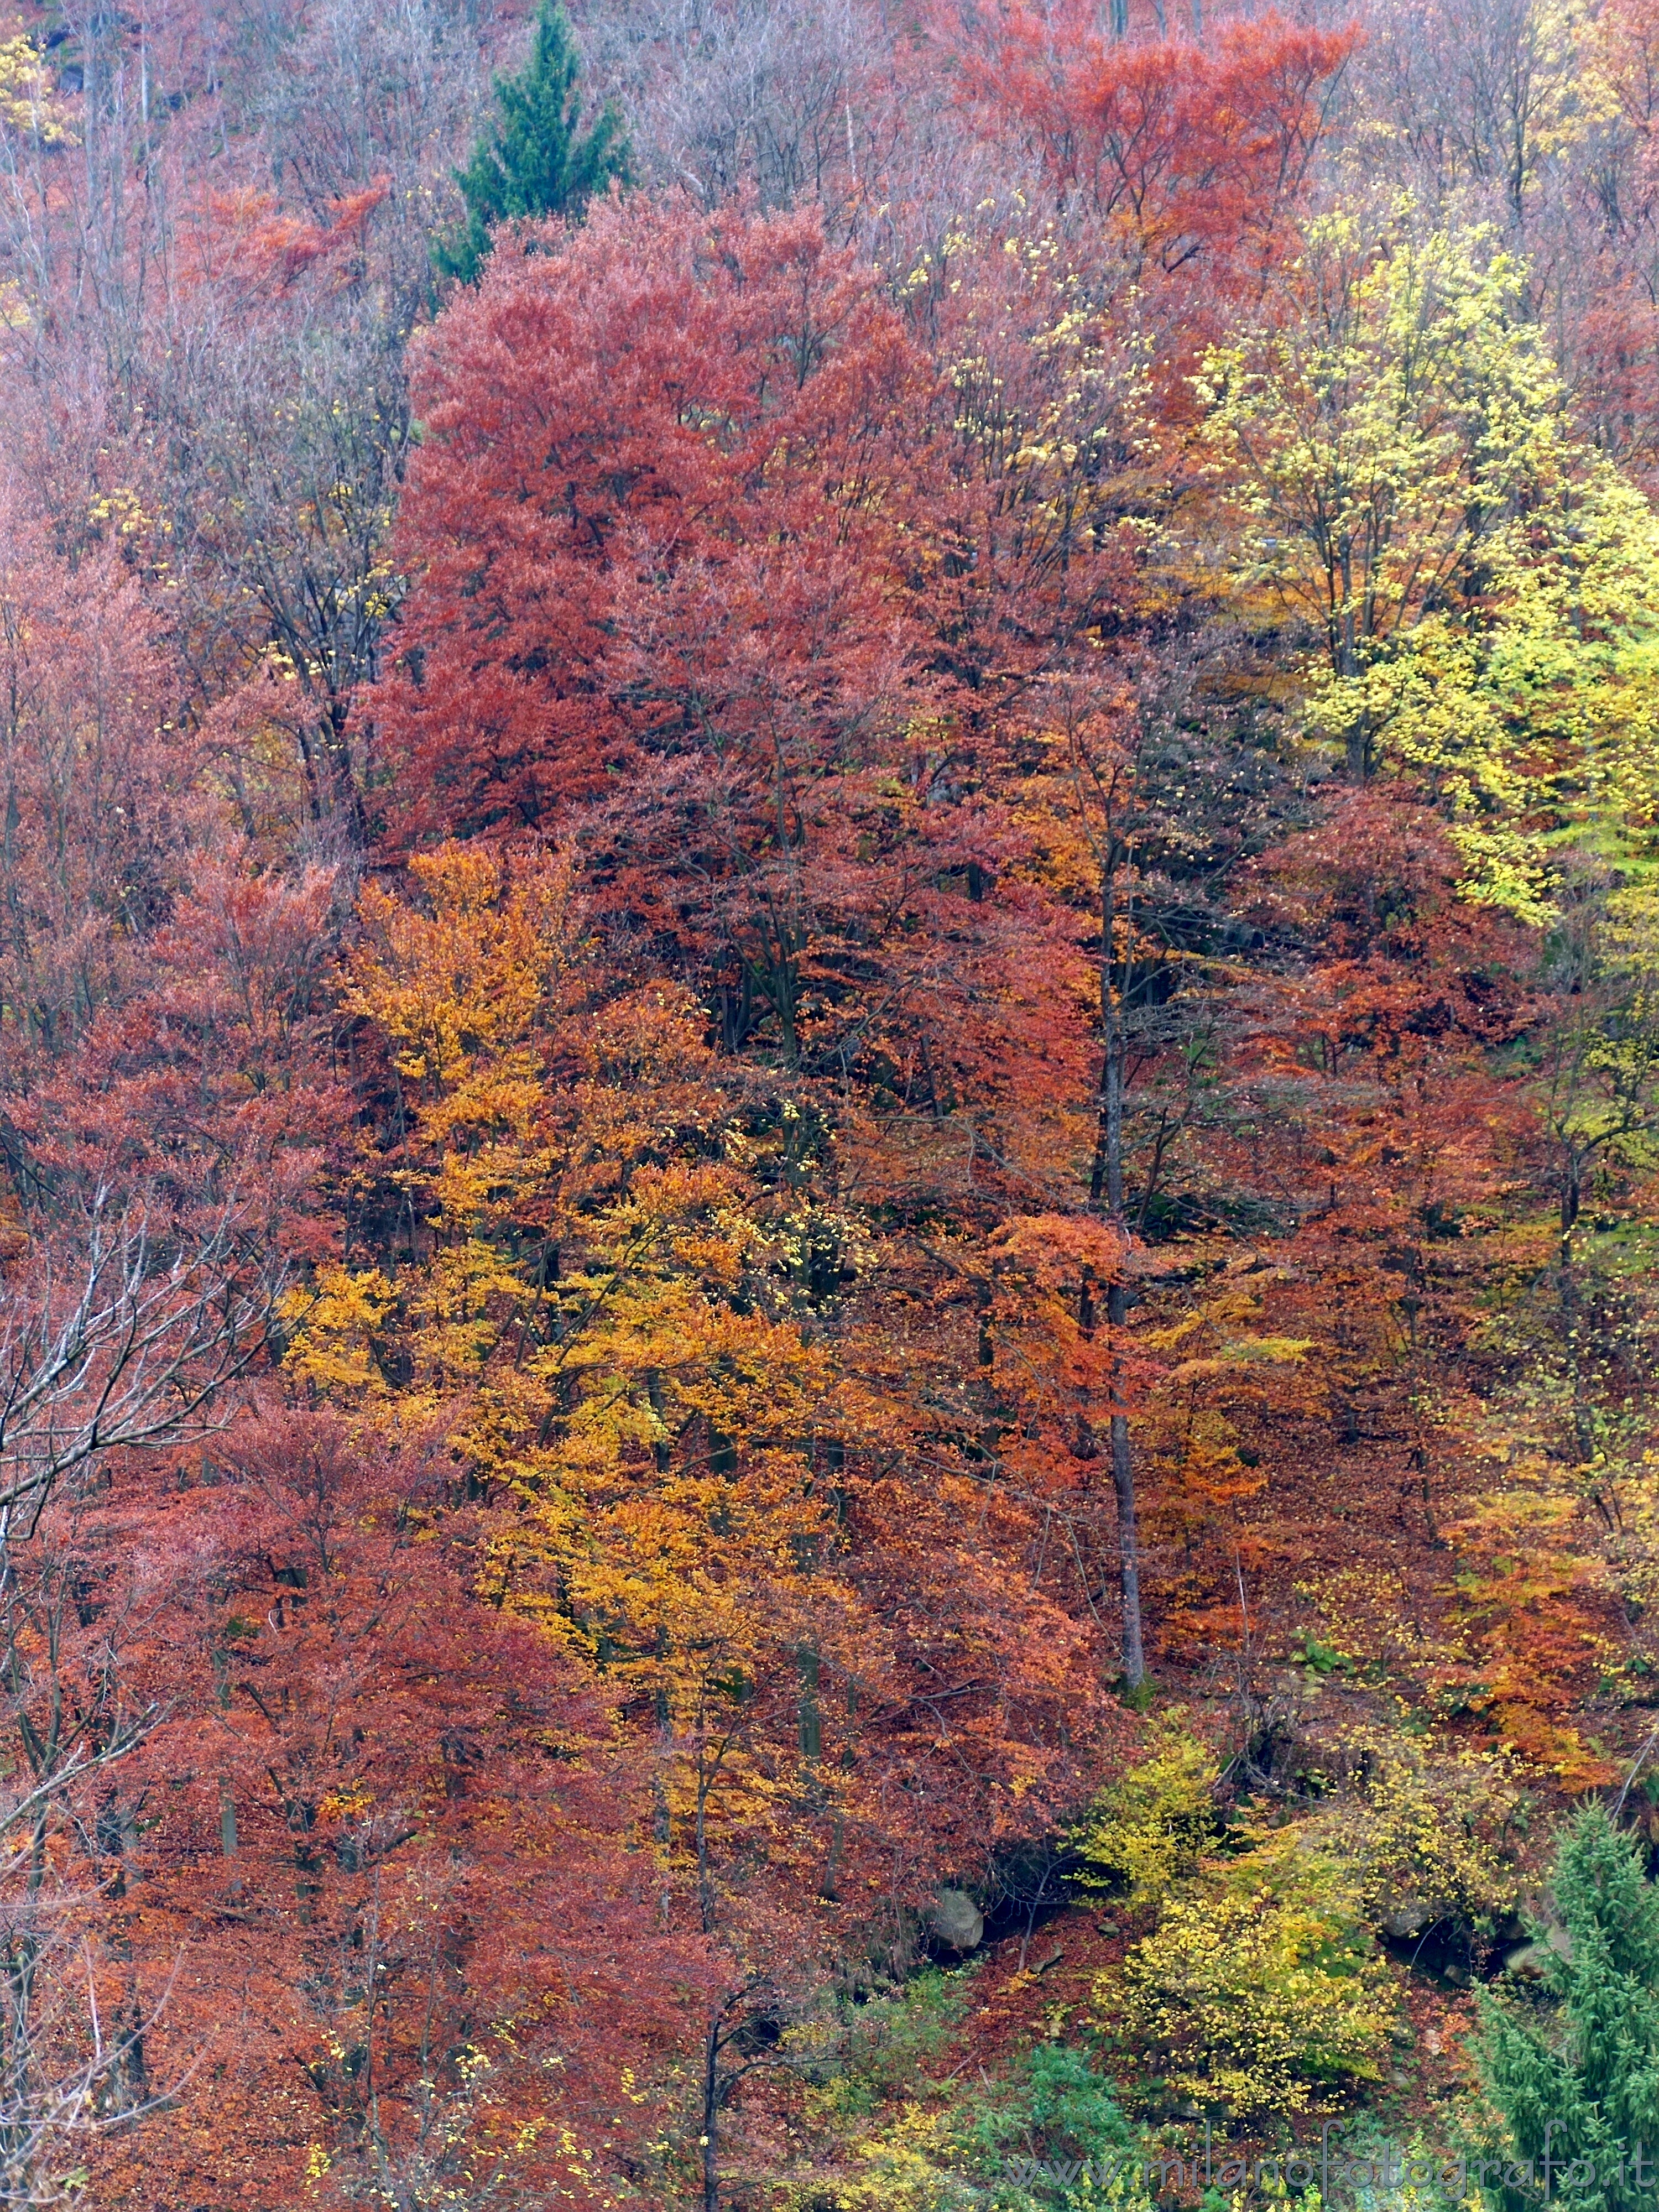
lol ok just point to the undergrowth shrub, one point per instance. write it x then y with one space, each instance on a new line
1149 1829
1258 1994
1046 2134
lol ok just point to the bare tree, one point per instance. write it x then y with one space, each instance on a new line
73 2021
122 1337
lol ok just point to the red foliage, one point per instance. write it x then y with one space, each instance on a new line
647 514
379 1848
1194 157
828 648
689 521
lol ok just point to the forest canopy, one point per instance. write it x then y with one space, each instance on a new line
828 1099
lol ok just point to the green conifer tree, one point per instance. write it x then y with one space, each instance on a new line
537 159
1575 2084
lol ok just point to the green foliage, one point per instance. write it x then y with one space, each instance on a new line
538 161
1047 2135
1054 2112
1580 2083
888 2043
1150 1828
1258 1994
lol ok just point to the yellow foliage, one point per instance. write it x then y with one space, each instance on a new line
26 103
334 1321
910 2165
1258 1994
1426 1828
899 2169
1150 1828
470 978
585 1309
1485 587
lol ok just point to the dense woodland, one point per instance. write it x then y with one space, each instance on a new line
828 1096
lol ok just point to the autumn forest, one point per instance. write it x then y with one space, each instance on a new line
829 1103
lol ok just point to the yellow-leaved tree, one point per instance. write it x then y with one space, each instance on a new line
1484 589
583 1306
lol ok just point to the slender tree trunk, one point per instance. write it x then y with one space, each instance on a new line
809 1719
1572 1322
1107 1182
711 2117
1123 1471
1358 739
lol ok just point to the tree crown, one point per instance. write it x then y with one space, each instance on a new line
536 160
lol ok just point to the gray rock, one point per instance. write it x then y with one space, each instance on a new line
956 1920
1405 1917
1529 1960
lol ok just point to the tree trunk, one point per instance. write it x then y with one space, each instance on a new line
1572 1324
711 2118
1123 1482
810 1720
1107 1182
1358 739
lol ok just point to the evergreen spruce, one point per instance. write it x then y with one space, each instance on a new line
1576 2081
537 160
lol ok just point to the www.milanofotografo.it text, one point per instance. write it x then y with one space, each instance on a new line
1343 2174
